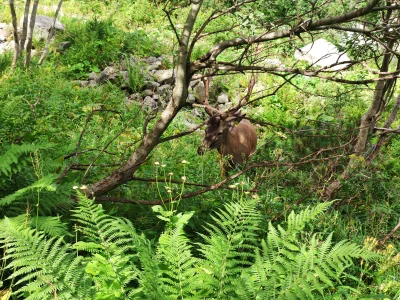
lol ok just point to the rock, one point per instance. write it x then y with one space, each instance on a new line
197 113
156 97
83 83
150 102
200 92
63 46
92 76
191 99
7 46
221 107
154 66
42 26
223 98
108 73
148 92
150 60
151 85
272 62
133 98
193 83
322 53
6 31
165 76
92 83
165 92
102 77
124 75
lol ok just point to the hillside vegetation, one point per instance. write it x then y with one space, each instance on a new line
103 194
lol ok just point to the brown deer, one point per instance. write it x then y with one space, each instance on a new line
229 132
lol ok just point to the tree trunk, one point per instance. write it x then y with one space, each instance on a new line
15 33
367 124
25 24
30 34
151 140
51 34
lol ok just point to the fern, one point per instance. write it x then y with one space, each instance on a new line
111 267
43 268
229 247
288 268
14 160
178 275
45 182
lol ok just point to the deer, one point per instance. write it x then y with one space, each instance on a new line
229 132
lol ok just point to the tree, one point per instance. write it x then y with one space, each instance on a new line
254 30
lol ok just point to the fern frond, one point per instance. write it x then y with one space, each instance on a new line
41 266
13 161
45 182
179 276
289 268
111 241
229 246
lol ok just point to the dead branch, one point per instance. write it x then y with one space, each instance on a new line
384 239
217 185
179 135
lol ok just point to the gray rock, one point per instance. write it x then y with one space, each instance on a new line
109 73
156 97
150 102
102 77
42 26
191 99
154 67
151 85
150 60
63 46
148 92
7 46
221 107
92 83
132 99
223 98
165 92
200 92
165 76
92 76
83 83
124 75
6 29
193 83
322 53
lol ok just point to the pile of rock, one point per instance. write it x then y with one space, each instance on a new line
157 86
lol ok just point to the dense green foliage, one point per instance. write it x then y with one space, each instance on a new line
267 235
111 260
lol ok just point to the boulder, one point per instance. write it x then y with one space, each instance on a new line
92 83
150 102
223 98
148 92
165 76
322 53
92 76
191 99
7 46
151 85
42 26
63 46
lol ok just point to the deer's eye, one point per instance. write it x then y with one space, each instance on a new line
220 133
